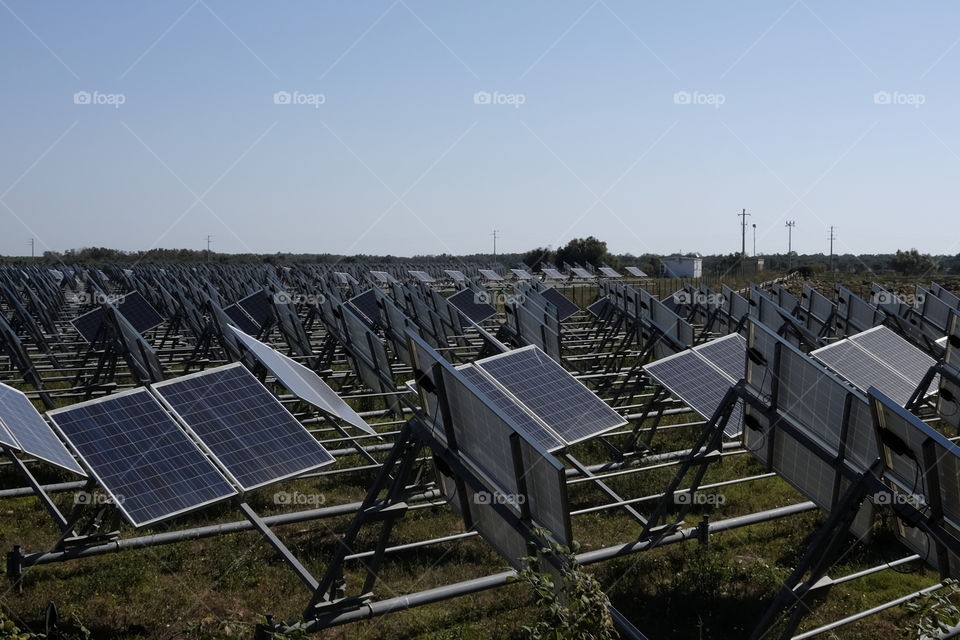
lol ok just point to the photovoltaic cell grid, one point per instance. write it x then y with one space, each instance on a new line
553 274
564 307
636 272
729 354
466 302
696 382
551 393
539 433
23 428
302 382
144 460
878 358
521 274
610 273
580 272
243 425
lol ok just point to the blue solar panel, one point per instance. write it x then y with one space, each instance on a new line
134 307
550 392
259 307
564 307
729 354
243 425
139 454
29 433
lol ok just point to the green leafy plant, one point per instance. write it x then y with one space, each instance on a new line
936 611
576 608
10 631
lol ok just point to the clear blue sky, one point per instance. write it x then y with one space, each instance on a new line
399 157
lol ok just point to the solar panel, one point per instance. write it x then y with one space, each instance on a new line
240 318
634 271
565 308
553 274
729 354
943 341
302 382
878 358
259 307
457 276
601 308
531 426
422 276
559 399
610 273
345 278
383 277
522 274
490 274
580 272
23 428
133 306
693 379
366 305
470 304
243 425
141 457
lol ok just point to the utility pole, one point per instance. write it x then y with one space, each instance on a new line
495 235
790 225
743 233
32 244
754 240
209 242
833 236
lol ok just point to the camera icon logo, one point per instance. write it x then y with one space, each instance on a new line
882 97
681 97
482 97
282 97
81 97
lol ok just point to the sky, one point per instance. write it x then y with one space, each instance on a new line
411 127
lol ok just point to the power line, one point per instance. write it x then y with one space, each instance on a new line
495 235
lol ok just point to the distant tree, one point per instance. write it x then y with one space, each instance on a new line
534 257
912 262
584 250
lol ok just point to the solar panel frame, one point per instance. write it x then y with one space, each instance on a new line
123 491
636 272
29 432
383 277
522 274
421 276
456 276
367 307
241 319
580 272
727 353
242 458
610 273
259 307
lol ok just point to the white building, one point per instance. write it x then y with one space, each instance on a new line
677 266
